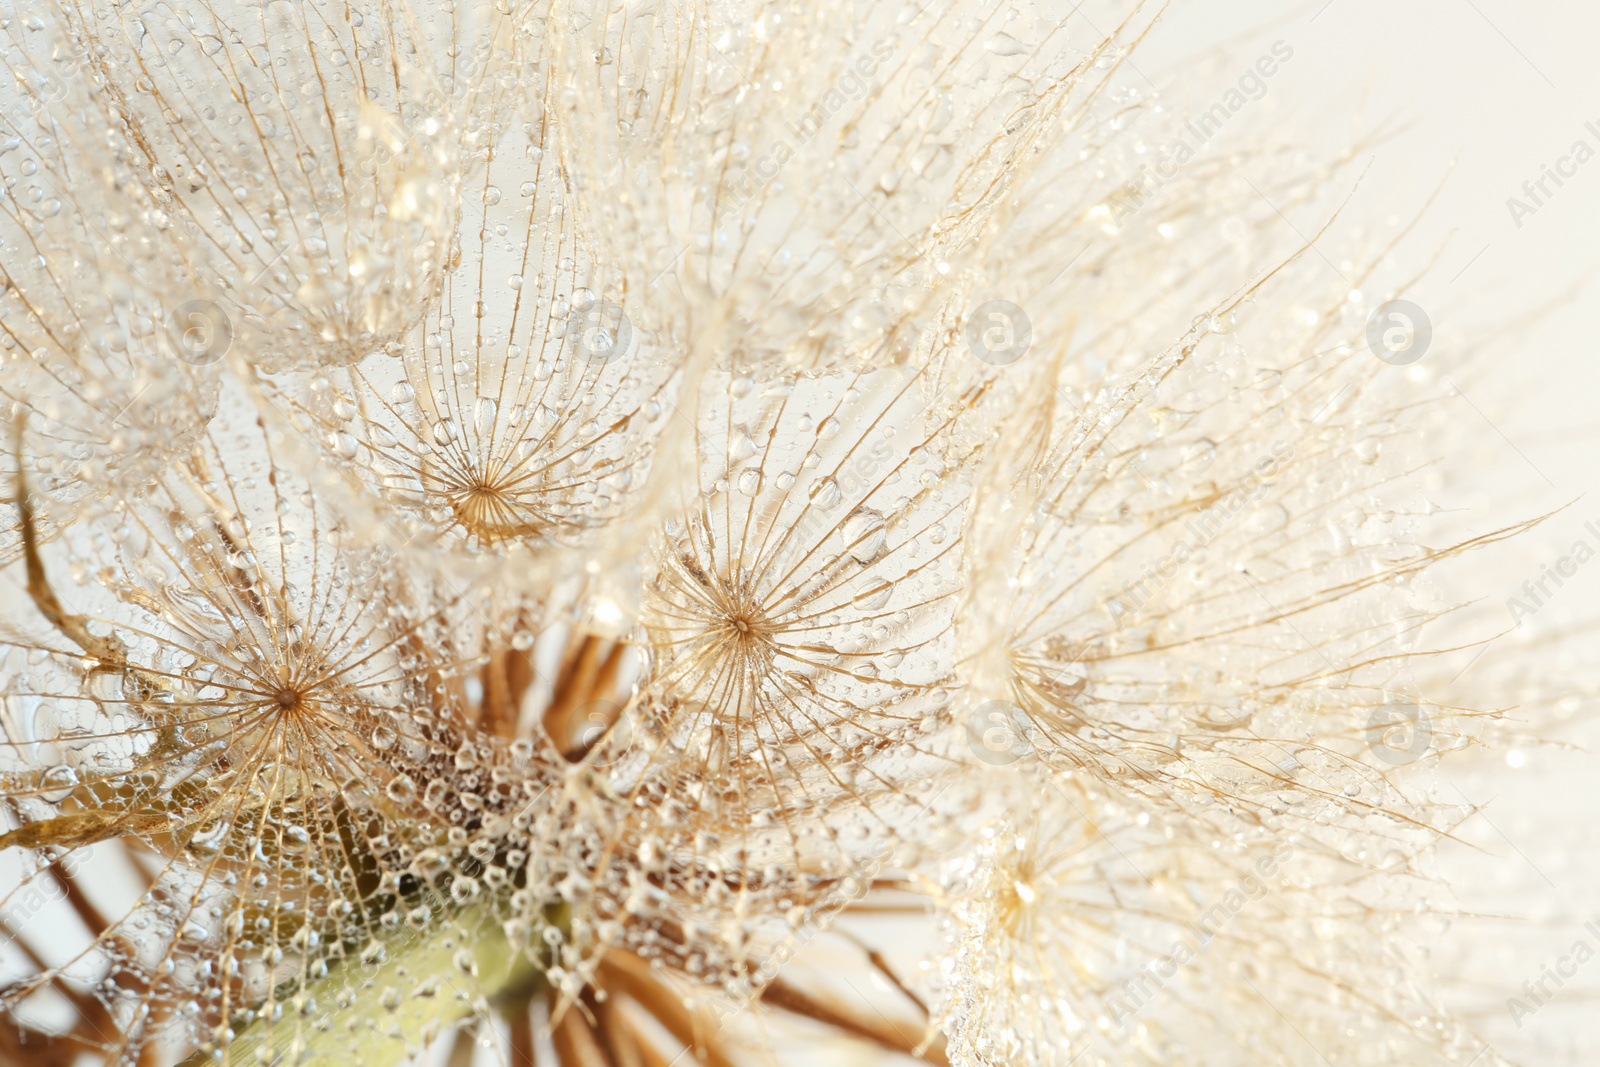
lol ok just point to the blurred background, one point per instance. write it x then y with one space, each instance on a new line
1470 100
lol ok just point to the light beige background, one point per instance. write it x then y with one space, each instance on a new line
1484 94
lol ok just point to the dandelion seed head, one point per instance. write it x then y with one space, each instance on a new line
532 515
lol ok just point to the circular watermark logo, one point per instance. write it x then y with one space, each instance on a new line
200 331
602 731
1399 332
997 732
214 733
47 88
1399 733
80 456
999 332
599 329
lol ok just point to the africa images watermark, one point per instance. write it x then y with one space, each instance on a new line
1537 190
1538 991
1537 591
30 901
1140 990
1251 85
1399 332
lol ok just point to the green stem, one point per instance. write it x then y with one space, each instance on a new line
385 1006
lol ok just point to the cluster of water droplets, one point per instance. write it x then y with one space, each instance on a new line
1085 926
92 377
520 288
278 735
809 202
308 168
523 410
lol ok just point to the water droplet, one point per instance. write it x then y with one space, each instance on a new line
826 493
872 595
600 343
344 444
1003 44
57 784
740 445
488 410
1268 518
378 436
1200 452
864 534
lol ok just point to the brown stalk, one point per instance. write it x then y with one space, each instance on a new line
875 958
884 1033
462 1046
589 671
81 829
23 1044
626 973
506 677
575 1043
524 1053
150 1054
108 650
91 1013
650 1055
616 1034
